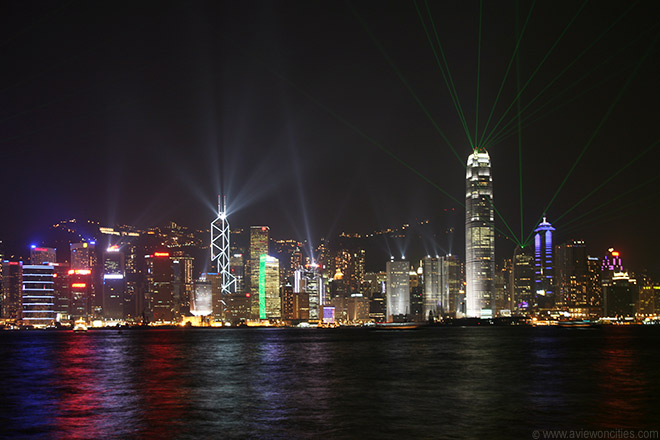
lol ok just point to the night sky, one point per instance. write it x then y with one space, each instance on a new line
140 113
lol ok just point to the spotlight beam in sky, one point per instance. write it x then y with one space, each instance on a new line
538 67
406 83
445 76
568 66
603 120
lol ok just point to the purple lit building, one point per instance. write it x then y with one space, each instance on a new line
543 265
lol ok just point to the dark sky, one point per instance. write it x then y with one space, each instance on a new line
138 112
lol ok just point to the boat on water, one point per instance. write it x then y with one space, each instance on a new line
578 323
397 325
80 326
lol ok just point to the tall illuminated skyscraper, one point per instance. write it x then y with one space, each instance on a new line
270 305
38 295
398 290
114 284
543 265
479 236
259 236
522 281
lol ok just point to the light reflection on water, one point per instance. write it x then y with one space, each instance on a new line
275 383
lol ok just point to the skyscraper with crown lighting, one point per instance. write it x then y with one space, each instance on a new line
544 280
479 236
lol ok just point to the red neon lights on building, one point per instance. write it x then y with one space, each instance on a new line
79 285
79 271
161 254
615 254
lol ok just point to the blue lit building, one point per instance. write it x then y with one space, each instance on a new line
544 274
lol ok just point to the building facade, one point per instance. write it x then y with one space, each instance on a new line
479 236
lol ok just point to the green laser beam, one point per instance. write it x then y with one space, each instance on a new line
456 104
520 174
621 210
357 130
508 68
602 121
513 130
476 113
444 59
577 58
610 178
386 150
611 200
538 67
513 234
406 83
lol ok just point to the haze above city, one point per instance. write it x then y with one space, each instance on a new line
322 117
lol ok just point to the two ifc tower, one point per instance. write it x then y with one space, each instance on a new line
479 237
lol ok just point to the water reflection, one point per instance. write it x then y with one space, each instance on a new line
273 383
623 389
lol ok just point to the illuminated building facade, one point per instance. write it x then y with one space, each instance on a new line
594 285
38 299
287 301
221 248
432 289
62 291
83 255
259 236
479 236
237 268
620 293
80 293
42 255
416 295
182 281
309 288
452 267
12 288
201 303
572 275
544 272
398 290
502 296
357 308
270 305
159 301
522 281
114 283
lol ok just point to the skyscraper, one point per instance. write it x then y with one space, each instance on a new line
544 279
114 285
160 298
479 236
398 290
522 282
42 255
10 301
83 255
258 247
432 289
308 284
38 295
572 275
270 305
